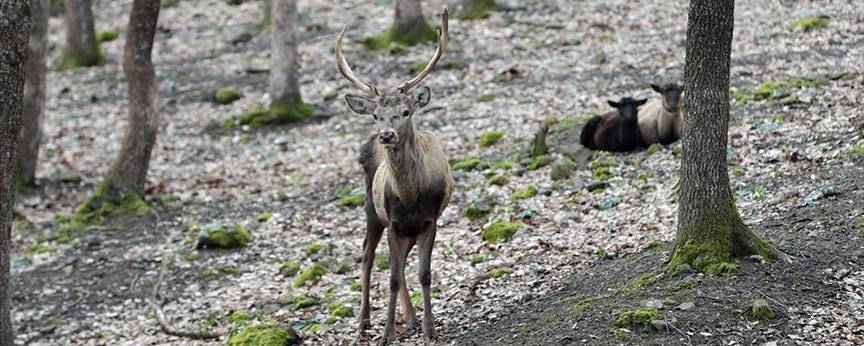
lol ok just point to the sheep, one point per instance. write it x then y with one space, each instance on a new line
614 131
661 119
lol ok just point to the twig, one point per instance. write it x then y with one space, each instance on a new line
677 330
772 299
156 303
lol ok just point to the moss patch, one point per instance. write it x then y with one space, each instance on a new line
106 35
856 152
773 91
240 317
352 200
810 23
528 192
73 60
640 318
486 98
761 310
643 280
393 40
339 309
499 272
499 180
265 216
539 161
212 273
227 95
97 209
477 9
311 274
168 3
268 334
382 261
562 168
224 235
279 113
602 169
489 138
466 164
500 231
654 148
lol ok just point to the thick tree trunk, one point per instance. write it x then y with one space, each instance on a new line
14 34
409 26
128 173
34 93
710 230
286 103
81 46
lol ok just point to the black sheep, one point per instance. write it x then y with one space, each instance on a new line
616 130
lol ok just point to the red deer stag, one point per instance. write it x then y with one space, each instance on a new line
408 185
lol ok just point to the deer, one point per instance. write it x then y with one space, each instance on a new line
661 119
408 186
614 131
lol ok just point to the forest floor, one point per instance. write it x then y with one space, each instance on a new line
795 159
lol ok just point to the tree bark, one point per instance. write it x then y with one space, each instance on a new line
128 173
34 93
81 46
284 87
710 230
409 26
14 34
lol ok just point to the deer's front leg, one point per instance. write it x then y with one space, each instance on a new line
408 313
426 242
373 235
398 244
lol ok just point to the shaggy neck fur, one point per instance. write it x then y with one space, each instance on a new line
405 164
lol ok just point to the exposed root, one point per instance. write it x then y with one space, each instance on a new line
156 302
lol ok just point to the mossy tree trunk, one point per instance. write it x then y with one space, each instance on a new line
14 34
710 230
81 46
128 174
409 26
286 103
34 93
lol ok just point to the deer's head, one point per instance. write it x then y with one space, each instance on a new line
392 112
627 107
671 96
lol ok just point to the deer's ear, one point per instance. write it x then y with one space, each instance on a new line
656 88
421 97
360 104
613 103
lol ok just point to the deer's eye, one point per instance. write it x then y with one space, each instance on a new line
405 113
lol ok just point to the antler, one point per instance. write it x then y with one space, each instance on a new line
343 67
442 44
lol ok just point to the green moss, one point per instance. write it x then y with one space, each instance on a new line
97 209
339 309
773 91
677 150
580 306
654 148
311 274
301 302
856 152
393 40
466 164
562 168
313 328
486 98
478 209
212 273
477 9
37 249
499 272
859 223
240 317
106 35
539 161
266 22
224 235
477 259
723 268
168 3
265 216
504 164
687 283
382 261
761 310
279 113
643 280
640 318
73 60
499 180
606 37
227 95
352 201
268 334
500 231
314 248
528 192
622 334
489 138
356 286
602 168
810 23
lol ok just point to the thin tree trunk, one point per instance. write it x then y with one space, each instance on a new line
128 173
283 71
34 93
14 34
81 46
409 26
710 230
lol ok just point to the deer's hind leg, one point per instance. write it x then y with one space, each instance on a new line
426 241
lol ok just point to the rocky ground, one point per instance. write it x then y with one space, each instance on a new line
795 158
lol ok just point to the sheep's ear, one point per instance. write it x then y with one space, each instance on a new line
360 104
657 88
613 103
641 102
421 97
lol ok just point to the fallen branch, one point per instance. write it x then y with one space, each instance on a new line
156 302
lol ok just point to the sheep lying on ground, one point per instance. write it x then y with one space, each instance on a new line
614 131
661 119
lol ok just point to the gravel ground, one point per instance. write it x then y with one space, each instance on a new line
533 59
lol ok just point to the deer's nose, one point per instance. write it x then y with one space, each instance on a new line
387 136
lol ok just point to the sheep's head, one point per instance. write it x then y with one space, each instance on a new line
671 95
627 107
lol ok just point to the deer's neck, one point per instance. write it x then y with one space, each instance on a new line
405 162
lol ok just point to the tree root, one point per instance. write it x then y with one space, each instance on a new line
156 302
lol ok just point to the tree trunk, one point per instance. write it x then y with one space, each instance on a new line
128 173
14 34
34 94
710 230
81 46
286 103
409 26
